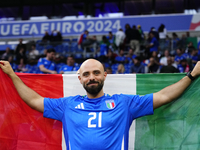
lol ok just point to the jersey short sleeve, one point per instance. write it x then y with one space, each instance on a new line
40 62
54 108
140 105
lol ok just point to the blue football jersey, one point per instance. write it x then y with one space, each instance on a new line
98 124
47 64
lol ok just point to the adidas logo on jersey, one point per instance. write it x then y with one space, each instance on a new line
80 106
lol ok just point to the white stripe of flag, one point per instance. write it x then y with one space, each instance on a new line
114 84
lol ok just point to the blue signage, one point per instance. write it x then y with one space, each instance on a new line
94 26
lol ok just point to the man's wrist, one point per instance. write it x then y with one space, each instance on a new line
191 76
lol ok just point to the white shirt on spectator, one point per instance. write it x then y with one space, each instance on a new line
119 37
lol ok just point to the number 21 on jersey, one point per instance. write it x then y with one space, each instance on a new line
95 116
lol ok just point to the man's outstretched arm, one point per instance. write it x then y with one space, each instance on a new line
29 96
173 91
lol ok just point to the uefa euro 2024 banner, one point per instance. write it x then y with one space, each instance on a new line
98 25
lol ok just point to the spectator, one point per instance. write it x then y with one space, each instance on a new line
46 65
59 37
109 70
183 66
130 56
129 33
169 68
13 65
162 36
162 32
142 36
185 54
120 69
84 40
152 65
6 54
33 55
173 61
70 65
56 37
19 46
194 57
135 40
111 39
198 48
22 66
156 58
183 41
189 47
153 45
46 38
163 60
110 58
120 58
138 66
21 55
175 41
168 43
104 46
178 56
155 33
119 38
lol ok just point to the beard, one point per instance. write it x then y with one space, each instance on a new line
95 89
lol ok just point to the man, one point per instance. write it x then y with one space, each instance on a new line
169 68
119 38
19 46
138 66
135 40
7 54
153 46
70 66
98 120
33 55
85 40
163 60
46 65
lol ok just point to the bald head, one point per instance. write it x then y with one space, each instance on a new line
91 64
92 77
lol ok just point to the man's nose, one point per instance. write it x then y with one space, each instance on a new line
91 77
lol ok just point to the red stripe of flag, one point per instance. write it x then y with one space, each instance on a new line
22 127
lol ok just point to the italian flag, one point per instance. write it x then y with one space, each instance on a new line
172 127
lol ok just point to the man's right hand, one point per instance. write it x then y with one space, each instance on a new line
53 72
6 67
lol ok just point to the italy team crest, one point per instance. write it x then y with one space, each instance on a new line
110 104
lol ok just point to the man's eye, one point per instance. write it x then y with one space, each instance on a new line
96 72
85 74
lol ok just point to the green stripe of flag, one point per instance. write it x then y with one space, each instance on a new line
173 126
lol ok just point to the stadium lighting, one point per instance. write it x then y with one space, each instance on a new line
69 17
114 15
39 18
190 11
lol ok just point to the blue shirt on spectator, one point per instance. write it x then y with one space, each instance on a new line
154 41
47 64
120 59
178 58
68 68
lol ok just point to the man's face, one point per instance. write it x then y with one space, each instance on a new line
70 61
92 77
51 55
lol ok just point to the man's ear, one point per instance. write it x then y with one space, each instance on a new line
79 79
105 75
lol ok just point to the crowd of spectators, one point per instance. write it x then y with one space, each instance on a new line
129 51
